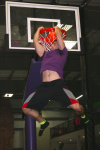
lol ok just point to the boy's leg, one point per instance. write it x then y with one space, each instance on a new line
35 115
80 111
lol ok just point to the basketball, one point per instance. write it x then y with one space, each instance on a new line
52 36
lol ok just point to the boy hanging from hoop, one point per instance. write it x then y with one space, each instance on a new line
53 86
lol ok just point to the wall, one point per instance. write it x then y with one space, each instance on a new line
70 146
6 125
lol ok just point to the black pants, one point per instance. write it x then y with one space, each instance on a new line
54 90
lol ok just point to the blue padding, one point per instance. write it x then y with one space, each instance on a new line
33 80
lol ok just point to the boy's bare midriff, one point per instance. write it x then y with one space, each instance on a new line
49 75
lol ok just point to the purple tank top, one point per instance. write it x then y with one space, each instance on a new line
54 61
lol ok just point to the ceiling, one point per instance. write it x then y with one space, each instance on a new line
14 67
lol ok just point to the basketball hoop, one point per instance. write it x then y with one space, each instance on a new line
49 37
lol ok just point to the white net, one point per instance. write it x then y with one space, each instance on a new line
47 39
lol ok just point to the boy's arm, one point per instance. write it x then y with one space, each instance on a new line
60 41
38 47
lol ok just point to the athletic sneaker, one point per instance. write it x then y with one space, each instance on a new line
45 125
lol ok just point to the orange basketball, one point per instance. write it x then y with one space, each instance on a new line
52 36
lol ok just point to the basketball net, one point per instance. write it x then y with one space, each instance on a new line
47 37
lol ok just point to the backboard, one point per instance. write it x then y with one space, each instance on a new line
23 19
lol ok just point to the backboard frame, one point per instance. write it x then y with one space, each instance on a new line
43 6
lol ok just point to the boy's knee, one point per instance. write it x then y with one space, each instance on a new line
77 107
24 110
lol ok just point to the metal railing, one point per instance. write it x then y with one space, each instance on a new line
71 125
